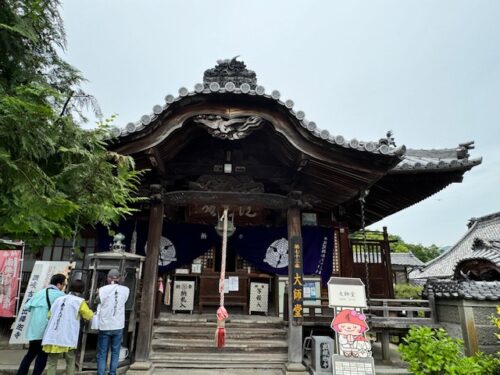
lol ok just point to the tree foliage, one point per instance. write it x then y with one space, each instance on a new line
398 245
54 175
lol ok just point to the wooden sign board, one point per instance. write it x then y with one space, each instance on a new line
209 213
346 292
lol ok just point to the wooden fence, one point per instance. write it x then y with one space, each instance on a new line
384 316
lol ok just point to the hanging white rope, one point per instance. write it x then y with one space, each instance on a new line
223 258
222 315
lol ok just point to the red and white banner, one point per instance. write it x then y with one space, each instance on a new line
10 263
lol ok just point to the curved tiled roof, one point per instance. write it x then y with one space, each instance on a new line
436 160
405 259
231 77
484 250
245 90
485 228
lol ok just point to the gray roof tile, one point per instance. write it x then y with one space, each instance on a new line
405 259
479 290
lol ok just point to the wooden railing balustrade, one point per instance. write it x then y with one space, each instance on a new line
384 316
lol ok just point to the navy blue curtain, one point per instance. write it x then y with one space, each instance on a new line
263 247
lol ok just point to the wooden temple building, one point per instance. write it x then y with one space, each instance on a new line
229 143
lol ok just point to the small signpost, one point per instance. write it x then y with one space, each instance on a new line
353 351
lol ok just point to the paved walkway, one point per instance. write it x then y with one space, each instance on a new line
10 359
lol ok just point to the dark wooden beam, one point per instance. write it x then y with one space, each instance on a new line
207 167
264 200
146 317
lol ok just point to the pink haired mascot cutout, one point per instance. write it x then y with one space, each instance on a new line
350 326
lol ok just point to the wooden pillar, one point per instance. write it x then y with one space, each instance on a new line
294 330
346 261
388 263
146 320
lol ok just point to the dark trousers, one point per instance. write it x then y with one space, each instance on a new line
34 351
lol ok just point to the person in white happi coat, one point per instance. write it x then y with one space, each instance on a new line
63 329
112 300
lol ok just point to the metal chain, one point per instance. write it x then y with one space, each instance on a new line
365 245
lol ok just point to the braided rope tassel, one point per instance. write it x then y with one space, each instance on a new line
222 315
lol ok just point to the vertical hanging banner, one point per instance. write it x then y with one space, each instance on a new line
39 279
10 264
297 280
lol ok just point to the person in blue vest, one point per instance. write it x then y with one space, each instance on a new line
39 306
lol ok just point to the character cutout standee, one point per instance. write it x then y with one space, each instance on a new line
350 326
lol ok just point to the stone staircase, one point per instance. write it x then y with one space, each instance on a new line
184 344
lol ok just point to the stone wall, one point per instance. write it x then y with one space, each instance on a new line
470 321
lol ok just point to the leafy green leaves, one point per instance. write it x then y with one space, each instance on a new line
432 352
54 175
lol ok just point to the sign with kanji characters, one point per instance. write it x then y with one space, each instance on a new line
297 286
39 279
353 356
259 295
243 214
10 265
183 295
346 292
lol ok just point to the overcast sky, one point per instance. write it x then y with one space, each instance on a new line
428 70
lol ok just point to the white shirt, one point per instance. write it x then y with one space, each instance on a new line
64 324
112 307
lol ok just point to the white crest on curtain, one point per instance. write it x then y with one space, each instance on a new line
277 254
167 252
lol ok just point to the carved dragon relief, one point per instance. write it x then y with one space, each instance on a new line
230 129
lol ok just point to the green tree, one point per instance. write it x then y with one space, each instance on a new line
424 253
55 177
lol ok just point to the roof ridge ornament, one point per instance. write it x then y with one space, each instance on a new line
230 70
388 140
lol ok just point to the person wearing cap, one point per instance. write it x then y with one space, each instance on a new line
112 300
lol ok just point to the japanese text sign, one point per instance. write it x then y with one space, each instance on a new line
297 279
346 292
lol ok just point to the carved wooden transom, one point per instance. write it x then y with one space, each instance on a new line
229 128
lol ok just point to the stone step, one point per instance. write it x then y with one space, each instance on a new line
207 345
217 371
210 359
232 333
204 322
184 344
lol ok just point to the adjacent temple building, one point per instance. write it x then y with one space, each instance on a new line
230 143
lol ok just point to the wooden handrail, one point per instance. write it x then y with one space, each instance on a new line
395 310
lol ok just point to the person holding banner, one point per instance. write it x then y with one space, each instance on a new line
61 335
39 306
